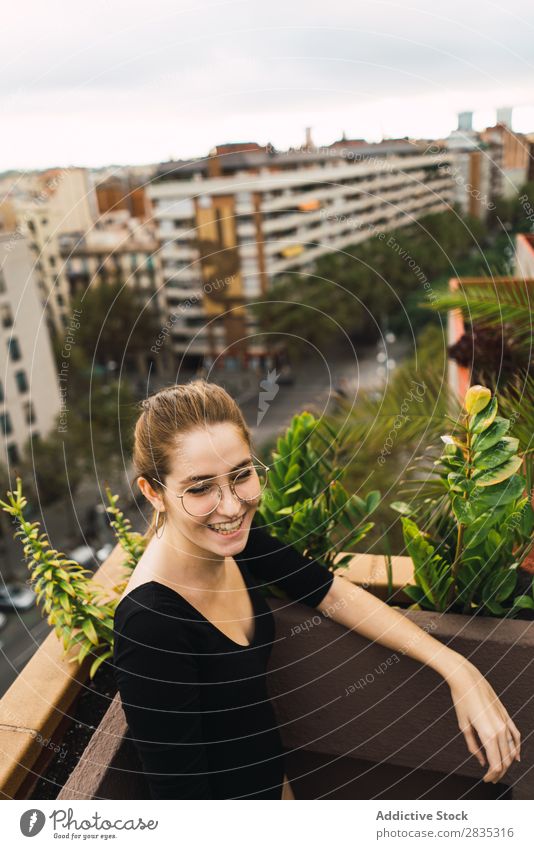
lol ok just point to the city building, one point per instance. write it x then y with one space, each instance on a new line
29 390
59 201
516 156
230 223
117 249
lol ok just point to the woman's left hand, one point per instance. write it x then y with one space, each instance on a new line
480 710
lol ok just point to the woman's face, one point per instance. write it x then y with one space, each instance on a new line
214 450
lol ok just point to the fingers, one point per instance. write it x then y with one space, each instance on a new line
516 734
473 746
501 749
493 754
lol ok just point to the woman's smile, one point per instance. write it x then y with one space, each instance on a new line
228 529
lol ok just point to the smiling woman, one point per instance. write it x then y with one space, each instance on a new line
193 632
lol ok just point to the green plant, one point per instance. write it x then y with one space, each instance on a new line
305 503
481 518
131 541
81 617
76 607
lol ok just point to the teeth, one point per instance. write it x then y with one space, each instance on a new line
227 526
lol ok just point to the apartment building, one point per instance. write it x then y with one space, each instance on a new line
516 158
230 223
59 201
29 390
117 249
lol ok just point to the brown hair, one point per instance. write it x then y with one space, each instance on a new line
168 415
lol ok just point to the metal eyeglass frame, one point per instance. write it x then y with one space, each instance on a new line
230 484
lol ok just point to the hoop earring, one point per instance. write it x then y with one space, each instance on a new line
156 528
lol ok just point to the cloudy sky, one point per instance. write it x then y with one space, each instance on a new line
136 82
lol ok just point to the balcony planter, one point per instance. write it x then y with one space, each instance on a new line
38 708
345 700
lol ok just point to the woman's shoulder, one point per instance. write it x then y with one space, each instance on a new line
151 608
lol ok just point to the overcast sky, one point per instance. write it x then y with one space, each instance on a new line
110 81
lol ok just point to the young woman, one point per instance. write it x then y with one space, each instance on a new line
193 632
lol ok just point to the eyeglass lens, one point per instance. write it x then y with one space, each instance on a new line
203 498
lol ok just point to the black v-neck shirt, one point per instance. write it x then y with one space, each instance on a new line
196 702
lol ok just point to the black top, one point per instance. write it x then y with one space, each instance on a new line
196 702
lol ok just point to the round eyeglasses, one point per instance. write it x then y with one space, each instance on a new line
202 498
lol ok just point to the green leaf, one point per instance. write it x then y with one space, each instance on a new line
372 501
482 420
501 473
96 663
476 399
285 511
502 493
524 601
495 608
415 593
492 458
295 488
431 570
292 473
492 435
402 507
462 510
89 630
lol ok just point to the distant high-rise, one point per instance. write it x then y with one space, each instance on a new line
504 116
465 121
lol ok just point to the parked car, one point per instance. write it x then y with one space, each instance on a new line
3 620
16 597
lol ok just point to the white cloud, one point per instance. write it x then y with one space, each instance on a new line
131 82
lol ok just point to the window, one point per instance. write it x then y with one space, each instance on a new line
2 282
29 412
5 424
13 453
1 391
13 348
6 316
21 380
52 261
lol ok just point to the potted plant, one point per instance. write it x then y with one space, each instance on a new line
478 518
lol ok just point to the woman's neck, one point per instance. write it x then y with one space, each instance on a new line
177 560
